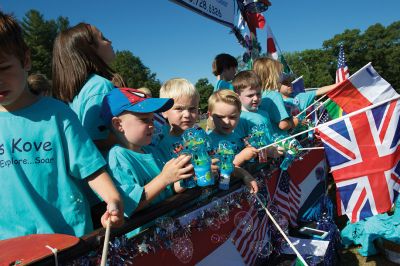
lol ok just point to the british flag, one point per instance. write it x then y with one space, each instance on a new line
287 198
364 152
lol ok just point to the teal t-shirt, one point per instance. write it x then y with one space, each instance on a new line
300 102
223 84
272 103
43 152
258 118
87 105
131 171
233 137
168 146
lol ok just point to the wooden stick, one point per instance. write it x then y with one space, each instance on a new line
106 240
311 148
305 109
281 231
334 120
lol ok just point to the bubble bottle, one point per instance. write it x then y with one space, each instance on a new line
225 153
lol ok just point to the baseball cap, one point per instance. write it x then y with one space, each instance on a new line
286 79
126 99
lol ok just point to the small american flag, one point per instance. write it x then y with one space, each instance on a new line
245 240
342 72
287 198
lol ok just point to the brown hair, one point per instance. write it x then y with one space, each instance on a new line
268 70
74 59
118 81
246 79
11 40
222 62
39 84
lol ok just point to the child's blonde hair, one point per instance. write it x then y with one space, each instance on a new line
269 71
224 96
146 91
178 87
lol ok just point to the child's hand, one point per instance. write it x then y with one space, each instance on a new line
115 212
245 155
275 151
247 178
295 122
214 166
177 169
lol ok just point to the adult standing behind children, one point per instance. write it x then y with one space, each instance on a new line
269 71
82 77
224 67
42 153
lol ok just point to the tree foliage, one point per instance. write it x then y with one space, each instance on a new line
39 35
135 73
378 44
205 90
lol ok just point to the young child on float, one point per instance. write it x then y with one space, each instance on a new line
224 67
269 71
183 115
296 104
224 110
43 152
140 176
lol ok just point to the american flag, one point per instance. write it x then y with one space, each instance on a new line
246 241
342 72
364 154
287 198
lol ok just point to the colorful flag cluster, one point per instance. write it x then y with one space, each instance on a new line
363 150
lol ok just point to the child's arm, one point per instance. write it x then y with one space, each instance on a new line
325 89
174 170
288 123
245 155
102 184
247 178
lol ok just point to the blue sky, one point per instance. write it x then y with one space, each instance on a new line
175 42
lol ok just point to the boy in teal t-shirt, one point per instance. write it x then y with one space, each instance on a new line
140 177
224 68
43 153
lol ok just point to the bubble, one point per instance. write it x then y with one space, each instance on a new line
263 248
215 238
182 247
212 223
273 209
223 218
283 223
243 221
166 223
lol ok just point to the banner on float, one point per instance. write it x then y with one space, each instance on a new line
221 11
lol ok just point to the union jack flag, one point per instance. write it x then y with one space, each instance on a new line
342 72
287 198
364 152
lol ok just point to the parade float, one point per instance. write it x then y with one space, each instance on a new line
292 217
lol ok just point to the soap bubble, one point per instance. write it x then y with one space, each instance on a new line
243 221
182 247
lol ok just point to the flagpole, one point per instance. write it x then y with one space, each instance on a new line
333 121
305 109
311 148
281 231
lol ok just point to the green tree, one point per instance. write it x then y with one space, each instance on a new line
135 73
39 35
205 90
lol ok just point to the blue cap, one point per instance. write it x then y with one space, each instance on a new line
126 99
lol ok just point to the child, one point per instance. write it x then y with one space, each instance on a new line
295 105
81 77
224 108
269 70
247 85
39 84
224 68
181 116
140 177
42 153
